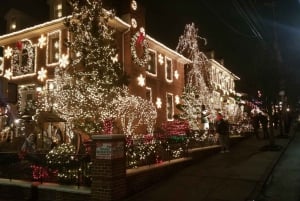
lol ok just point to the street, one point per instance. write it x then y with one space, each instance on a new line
284 181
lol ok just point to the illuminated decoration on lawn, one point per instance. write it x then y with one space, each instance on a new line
158 102
42 74
42 41
23 58
134 111
139 40
141 80
8 52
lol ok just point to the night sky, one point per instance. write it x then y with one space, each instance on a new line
257 41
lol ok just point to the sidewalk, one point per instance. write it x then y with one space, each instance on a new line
235 176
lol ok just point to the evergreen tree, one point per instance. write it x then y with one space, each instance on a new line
89 79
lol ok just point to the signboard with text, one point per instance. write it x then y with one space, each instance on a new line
109 150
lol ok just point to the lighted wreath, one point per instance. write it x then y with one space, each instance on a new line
139 39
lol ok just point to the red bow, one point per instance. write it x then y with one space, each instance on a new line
140 38
19 45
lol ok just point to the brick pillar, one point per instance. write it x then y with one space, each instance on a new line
109 168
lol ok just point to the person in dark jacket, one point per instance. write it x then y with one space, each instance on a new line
222 128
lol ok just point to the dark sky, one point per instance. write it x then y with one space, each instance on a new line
262 53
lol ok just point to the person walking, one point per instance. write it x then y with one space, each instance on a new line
222 128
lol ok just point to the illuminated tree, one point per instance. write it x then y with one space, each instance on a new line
89 79
198 89
134 111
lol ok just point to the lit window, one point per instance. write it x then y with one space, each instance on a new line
170 106
53 48
151 67
169 70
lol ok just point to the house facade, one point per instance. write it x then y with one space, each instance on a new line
157 73
31 54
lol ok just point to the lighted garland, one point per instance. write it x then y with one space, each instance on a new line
139 39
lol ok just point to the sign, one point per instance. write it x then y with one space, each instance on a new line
109 150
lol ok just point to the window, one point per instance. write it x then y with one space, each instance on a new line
151 67
23 58
169 70
170 106
148 94
53 48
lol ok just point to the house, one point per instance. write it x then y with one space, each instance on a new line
32 52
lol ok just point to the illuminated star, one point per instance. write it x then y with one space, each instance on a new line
8 52
8 74
64 61
114 59
160 59
158 103
42 74
141 80
42 41
176 74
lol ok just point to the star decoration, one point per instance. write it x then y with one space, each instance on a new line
158 103
8 52
141 80
8 74
176 74
42 74
114 59
160 59
64 61
42 41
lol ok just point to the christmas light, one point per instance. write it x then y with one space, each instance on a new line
8 74
158 103
64 61
8 52
42 41
42 74
141 80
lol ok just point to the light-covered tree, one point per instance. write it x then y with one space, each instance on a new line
198 89
90 77
134 111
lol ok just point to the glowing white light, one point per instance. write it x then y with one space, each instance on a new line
133 5
177 99
141 80
42 74
8 52
39 89
133 23
64 60
114 59
176 74
8 74
158 103
42 41
160 59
